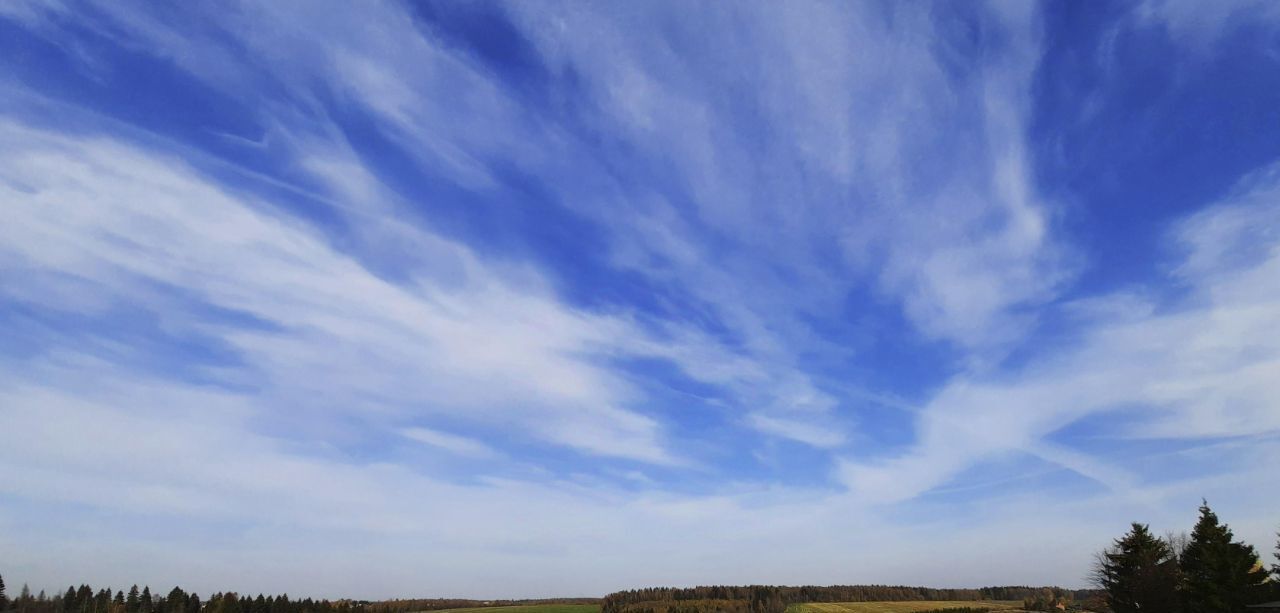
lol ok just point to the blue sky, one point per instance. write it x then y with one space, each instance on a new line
534 299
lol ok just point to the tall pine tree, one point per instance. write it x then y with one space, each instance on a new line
1139 574
1220 575
4 600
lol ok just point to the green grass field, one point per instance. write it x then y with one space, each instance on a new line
531 608
906 606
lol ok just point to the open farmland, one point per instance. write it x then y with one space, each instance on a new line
906 606
531 608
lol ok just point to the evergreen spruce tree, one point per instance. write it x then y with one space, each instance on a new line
1139 574
1274 569
131 601
176 601
145 605
1220 575
4 600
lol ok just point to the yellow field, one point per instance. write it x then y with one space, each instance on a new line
906 606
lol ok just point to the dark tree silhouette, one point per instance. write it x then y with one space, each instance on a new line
1139 573
1221 575
1274 569
176 601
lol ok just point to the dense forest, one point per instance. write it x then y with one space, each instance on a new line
775 599
84 599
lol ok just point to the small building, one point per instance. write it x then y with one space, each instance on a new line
1266 607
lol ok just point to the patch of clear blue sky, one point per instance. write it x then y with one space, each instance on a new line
1133 130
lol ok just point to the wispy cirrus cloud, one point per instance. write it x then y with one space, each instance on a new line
126 226
735 276
449 442
1202 366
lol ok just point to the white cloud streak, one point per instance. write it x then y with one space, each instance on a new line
1203 368
453 443
116 222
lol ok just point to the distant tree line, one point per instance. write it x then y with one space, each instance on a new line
775 599
409 605
84 599
1206 572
